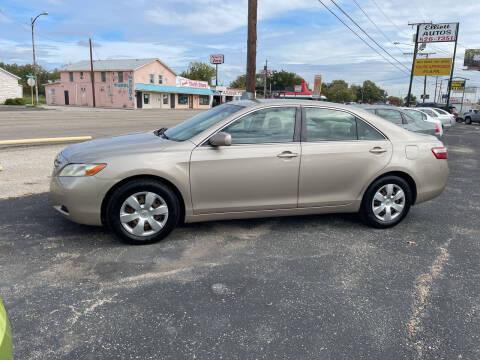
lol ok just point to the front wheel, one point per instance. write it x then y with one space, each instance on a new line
386 202
143 211
468 121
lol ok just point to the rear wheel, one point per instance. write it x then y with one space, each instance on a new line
468 120
143 211
386 202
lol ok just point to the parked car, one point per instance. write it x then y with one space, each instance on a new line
420 115
472 116
446 121
6 349
451 116
403 119
247 159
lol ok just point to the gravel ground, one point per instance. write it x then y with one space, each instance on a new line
307 287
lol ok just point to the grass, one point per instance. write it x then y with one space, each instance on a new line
28 99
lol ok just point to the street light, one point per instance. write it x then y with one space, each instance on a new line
32 20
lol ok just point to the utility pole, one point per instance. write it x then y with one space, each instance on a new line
32 22
413 66
435 97
453 67
265 70
91 73
251 49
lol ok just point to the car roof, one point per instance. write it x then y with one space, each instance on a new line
295 102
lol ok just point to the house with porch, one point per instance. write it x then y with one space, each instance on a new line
129 84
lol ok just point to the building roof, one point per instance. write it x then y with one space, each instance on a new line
9 73
172 89
112 65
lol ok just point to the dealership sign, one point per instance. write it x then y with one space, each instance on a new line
216 59
472 58
184 82
432 67
457 85
437 32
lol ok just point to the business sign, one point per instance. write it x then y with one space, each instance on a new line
216 59
233 92
472 58
426 96
268 72
458 85
471 90
432 67
317 85
428 33
184 82
298 88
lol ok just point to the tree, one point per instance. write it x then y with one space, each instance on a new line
199 71
282 79
413 99
395 100
338 91
21 71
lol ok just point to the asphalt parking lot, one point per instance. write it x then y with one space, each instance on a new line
311 287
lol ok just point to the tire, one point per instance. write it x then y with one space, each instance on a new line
157 223
468 120
367 213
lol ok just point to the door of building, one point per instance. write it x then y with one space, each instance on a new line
190 101
67 101
139 99
172 101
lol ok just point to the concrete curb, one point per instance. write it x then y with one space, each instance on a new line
44 140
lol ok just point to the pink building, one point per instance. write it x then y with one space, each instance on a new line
127 83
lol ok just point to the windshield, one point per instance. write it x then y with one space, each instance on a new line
430 112
195 125
416 114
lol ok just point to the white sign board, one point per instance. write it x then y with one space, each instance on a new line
298 88
184 82
428 33
216 59
31 82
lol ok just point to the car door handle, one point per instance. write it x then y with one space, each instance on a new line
378 150
287 154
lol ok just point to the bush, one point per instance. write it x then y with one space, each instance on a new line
16 101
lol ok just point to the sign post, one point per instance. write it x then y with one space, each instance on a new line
31 83
216 59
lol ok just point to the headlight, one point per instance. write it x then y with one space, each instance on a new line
81 169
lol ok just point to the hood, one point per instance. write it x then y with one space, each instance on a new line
101 149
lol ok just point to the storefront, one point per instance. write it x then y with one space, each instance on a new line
149 96
222 94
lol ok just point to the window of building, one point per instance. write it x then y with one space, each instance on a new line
204 99
152 79
160 79
81 75
274 125
327 125
120 77
182 99
70 75
165 99
146 98
104 76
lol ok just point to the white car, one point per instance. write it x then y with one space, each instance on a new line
420 115
453 120
445 119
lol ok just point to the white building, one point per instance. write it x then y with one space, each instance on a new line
9 86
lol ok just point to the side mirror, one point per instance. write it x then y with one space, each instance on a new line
221 139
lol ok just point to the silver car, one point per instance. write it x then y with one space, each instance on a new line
247 159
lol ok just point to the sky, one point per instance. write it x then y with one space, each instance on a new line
294 35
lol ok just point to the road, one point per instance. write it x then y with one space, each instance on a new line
309 287
85 122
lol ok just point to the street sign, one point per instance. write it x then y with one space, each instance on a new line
217 59
432 67
268 72
31 81
428 33
426 96
317 85
30 75
458 85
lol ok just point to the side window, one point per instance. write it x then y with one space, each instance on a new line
393 116
325 125
273 125
366 132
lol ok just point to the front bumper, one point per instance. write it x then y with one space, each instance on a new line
79 199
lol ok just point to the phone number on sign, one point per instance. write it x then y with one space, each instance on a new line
436 38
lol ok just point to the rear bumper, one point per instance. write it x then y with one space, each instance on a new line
79 199
432 181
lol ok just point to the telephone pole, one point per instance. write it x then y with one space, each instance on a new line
251 49
32 22
91 73
265 70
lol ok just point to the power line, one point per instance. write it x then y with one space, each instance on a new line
372 39
356 34
387 17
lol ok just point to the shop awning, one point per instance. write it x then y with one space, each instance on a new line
172 89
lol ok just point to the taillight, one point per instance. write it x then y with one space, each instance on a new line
437 129
440 152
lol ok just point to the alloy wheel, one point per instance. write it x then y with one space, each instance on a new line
388 202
